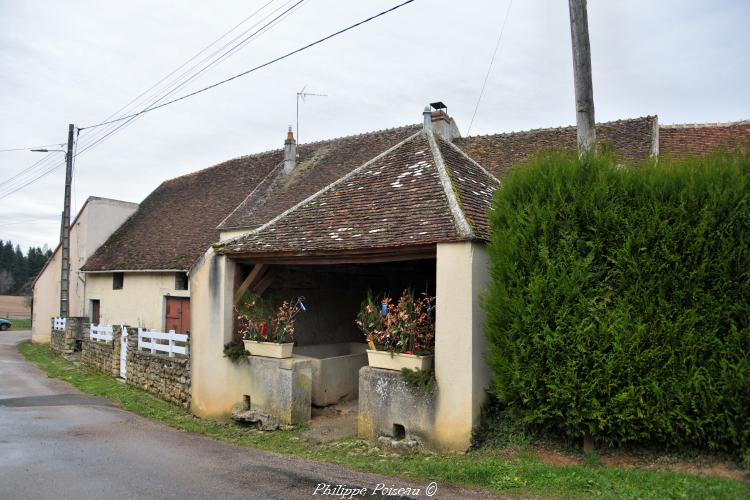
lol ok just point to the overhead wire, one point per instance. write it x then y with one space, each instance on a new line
256 68
43 167
117 127
489 69
153 107
28 148
176 83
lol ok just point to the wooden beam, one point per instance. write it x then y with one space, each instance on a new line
251 279
263 285
413 253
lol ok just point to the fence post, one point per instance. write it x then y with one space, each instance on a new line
171 343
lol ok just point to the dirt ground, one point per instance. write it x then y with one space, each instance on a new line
333 422
14 307
699 466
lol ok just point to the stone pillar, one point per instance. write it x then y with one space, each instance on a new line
461 370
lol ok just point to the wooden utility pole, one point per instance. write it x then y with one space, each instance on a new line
579 34
65 237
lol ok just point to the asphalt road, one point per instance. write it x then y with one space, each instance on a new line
56 443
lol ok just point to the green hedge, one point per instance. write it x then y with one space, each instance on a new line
620 300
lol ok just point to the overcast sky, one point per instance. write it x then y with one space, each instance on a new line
78 61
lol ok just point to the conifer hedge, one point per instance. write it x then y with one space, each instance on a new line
619 303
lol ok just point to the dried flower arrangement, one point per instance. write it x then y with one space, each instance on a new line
407 327
261 322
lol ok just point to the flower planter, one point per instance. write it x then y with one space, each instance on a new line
268 349
395 361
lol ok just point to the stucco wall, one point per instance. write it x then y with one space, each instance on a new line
97 220
217 383
46 301
461 371
140 303
226 235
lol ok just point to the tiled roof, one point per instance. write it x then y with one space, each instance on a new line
631 139
177 222
677 140
319 164
421 192
387 190
473 186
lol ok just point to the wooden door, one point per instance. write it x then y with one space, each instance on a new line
95 312
178 314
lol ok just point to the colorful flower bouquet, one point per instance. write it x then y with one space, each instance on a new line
400 335
265 330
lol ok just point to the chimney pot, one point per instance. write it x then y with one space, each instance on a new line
290 152
439 122
426 119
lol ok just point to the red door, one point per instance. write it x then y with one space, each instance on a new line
178 314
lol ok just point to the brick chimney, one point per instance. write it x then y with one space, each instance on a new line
290 152
435 118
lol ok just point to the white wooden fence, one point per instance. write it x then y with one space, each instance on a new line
162 342
59 324
101 332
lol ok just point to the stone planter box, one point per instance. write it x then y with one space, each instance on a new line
393 361
268 349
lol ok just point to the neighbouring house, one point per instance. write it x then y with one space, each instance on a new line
94 223
385 210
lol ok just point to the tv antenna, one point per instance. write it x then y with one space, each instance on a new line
303 95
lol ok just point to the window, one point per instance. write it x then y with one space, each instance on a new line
180 281
117 281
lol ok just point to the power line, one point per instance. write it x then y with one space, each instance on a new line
176 83
10 179
27 148
44 174
130 118
256 68
489 70
191 59
40 170
204 89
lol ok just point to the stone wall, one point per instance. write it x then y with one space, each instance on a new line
162 376
69 340
103 356
99 355
389 406
280 388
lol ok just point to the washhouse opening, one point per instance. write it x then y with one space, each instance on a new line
325 332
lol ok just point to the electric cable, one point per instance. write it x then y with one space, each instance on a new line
489 70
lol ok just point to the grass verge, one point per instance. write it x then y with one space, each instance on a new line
522 475
20 324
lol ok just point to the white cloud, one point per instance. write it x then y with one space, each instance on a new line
78 61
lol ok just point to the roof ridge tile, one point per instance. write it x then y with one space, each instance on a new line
551 129
706 125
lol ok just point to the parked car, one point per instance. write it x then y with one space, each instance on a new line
5 324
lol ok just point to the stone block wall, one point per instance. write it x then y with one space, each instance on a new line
389 406
280 388
98 355
69 340
162 376
103 356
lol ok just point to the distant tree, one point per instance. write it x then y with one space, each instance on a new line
17 270
6 282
